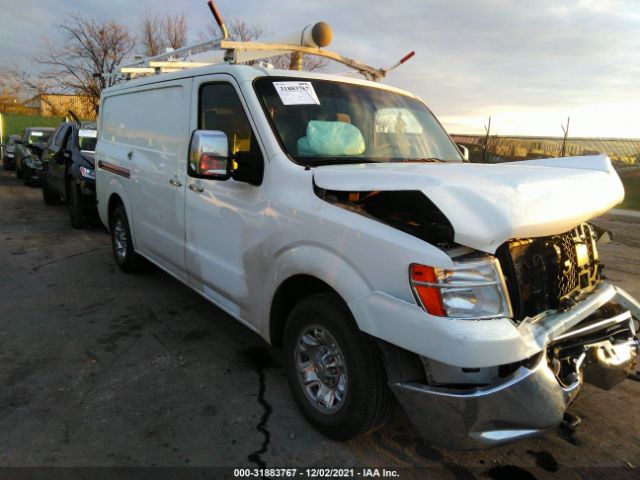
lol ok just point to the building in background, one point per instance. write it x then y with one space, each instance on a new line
56 105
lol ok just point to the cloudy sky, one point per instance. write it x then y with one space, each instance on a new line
527 64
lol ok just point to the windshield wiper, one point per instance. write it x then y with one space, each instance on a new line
427 159
319 161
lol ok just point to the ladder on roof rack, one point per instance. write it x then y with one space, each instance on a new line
310 41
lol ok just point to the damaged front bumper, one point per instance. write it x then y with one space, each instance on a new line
528 402
597 346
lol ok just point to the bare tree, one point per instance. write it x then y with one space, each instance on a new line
151 34
241 31
174 28
159 33
76 65
309 62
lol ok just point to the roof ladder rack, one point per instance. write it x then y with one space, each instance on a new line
310 41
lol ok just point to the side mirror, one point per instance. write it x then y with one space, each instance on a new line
464 151
209 155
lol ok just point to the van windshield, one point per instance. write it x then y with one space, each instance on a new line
320 122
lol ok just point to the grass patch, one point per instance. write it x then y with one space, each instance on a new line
14 124
631 182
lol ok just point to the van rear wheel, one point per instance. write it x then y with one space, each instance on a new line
335 371
123 253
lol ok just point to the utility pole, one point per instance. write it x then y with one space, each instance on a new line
487 129
564 140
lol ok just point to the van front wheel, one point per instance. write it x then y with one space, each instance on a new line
126 258
335 371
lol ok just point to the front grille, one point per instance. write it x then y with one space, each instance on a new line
579 269
550 272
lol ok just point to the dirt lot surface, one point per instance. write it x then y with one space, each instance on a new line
102 369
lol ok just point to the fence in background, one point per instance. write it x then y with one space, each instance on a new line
624 152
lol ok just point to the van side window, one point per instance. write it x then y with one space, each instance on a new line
220 109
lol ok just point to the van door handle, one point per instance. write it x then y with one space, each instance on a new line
175 182
195 187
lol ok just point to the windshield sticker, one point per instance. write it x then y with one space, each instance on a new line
88 133
36 134
296 93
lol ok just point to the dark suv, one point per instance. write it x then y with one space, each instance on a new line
27 153
68 171
8 162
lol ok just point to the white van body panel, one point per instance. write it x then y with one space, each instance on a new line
149 124
348 259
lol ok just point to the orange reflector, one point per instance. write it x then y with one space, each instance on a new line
429 296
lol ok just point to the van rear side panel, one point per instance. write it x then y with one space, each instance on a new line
145 132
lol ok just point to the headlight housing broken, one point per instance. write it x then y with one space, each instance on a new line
473 289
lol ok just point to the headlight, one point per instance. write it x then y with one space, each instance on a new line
472 289
88 173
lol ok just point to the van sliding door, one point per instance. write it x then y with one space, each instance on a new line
159 140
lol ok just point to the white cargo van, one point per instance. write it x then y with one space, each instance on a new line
337 219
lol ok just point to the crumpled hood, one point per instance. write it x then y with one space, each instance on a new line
488 204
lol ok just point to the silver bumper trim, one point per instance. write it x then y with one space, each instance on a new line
597 326
527 403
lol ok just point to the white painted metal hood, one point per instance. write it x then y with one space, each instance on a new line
488 204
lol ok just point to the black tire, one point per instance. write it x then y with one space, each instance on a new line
26 175
367 401
48 197
5 164
75 207
123 253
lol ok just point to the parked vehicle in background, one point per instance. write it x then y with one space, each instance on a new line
8 160
27 153
68 171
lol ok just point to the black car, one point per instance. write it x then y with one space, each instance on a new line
27 153
68 171
8 161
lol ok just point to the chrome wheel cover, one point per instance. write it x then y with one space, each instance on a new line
321 369
120 239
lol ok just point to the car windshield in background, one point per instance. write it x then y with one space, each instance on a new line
319 122
87 139
38 137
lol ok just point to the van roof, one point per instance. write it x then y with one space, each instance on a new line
245 73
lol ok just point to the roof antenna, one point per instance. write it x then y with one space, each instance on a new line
218 18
